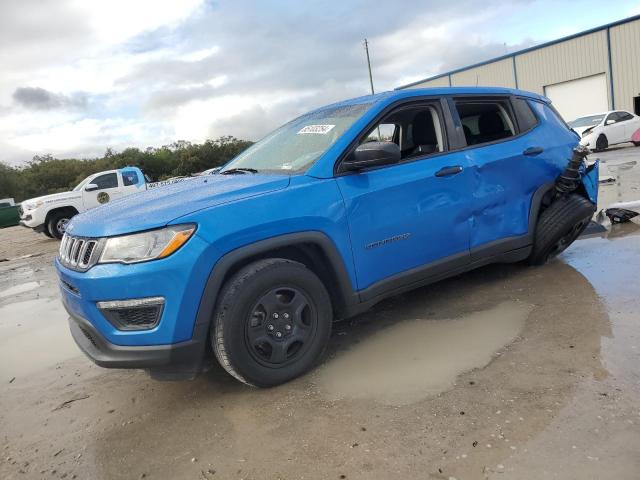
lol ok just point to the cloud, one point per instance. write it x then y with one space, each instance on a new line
79 77
40 99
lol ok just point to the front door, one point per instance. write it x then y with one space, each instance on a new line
108 190
413 214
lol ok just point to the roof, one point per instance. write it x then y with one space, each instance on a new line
438 91
525 50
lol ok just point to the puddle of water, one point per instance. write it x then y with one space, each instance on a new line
18 289
34 334
418 358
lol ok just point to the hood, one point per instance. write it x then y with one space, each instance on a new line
54 198
581 130
158 206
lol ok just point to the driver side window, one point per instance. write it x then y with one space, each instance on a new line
108 180
416 129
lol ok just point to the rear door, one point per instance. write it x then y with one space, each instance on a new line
631 124
132 181
505 170
412 215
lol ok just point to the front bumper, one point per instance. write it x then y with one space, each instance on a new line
36 228
177 343
31 218
589 141
179 360
184 358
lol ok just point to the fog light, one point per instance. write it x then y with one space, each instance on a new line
134 314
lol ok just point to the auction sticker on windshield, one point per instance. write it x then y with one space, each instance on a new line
316 129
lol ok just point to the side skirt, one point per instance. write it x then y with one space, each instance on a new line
504 251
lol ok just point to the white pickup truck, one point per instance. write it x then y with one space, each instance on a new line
50 214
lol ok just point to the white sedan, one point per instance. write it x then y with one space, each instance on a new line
600 130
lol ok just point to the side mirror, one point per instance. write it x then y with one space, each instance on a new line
610 121
90 187
372 154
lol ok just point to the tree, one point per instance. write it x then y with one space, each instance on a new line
45 174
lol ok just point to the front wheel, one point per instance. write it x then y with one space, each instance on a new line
559 225
272 322
57 224
602 143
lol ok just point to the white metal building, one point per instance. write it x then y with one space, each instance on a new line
589 72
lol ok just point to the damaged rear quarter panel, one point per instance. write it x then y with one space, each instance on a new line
590 179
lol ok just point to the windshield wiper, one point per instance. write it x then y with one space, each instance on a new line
233 171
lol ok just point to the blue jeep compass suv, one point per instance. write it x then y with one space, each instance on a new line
318 221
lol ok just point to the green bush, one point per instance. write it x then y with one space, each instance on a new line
45 174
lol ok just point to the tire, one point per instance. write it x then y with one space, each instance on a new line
637 144
559 225
602 143
272 322
46 231
57 223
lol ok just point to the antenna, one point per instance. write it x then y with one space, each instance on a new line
366 49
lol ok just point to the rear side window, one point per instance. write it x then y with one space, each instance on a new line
624 116
526 118
129 178
485 121
108 180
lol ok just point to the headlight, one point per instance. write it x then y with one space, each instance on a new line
33 206
140 247
588 131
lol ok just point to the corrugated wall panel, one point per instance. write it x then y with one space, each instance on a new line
495 74
436 82
625 59
576 58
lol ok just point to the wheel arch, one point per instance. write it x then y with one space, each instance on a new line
542 198
313 249
66 209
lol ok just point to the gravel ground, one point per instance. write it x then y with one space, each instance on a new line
505 372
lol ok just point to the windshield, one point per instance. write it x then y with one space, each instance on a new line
81 184
293 147
586 121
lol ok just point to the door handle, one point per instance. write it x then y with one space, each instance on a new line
533 151
448 171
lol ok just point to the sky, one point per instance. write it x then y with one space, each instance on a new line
79 76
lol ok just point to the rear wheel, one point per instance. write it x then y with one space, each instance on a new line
602 143
46 231
57 224
272 322
559 225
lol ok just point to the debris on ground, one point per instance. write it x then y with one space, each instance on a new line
621 212
67 403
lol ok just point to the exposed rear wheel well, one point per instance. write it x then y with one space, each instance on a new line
310 255
550 195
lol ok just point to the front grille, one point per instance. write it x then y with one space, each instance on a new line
79 253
